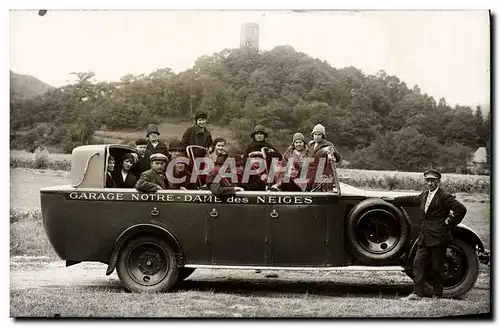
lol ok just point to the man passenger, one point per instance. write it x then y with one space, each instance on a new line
223 187
219 148
154 179
254 182
176 148
142 163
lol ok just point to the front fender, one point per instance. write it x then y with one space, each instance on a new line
466 233
142 229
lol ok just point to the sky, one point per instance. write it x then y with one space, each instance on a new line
446 53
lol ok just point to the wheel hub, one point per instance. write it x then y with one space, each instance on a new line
378 233
454 267
147 264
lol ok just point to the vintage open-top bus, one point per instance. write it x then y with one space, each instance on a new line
156 239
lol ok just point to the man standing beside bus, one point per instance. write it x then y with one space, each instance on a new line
439 212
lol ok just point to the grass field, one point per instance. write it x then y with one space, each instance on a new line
84 290
168 131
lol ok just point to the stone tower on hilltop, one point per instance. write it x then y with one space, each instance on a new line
249 36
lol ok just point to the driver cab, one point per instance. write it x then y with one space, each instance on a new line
89 163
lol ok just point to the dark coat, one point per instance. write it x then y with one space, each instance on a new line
129 182
433 230
222 188
317 153
110 182
255 183
289 186
194 135
141 166
320 149
149 180
290 153
257 146
160 148
187 184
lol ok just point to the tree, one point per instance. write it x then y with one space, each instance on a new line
406 150
461 129
455 157
482 130
377 118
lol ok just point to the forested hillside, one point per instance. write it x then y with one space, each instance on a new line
25 86
377 122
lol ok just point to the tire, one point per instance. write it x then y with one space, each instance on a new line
147 264
462 256
377 232
185 273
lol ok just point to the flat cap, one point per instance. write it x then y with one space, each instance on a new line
432 174
158 156
141 141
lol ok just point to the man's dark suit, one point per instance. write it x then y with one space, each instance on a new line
150 180
434 235
141 166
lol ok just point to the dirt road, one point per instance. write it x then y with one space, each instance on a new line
39 273
44 288
28 273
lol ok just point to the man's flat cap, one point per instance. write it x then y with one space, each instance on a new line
141 141
432 174
158 156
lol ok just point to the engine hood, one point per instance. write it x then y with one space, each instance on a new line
349 190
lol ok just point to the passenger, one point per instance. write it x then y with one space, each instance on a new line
141 161
198 134
154 144
259 141
320 148
298 149
154 179
253 182
109 171
125 178
291 182
180 170
176 148
223 187
219 148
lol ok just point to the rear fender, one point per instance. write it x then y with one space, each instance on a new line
142 229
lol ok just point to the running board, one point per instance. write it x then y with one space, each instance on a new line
345 268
